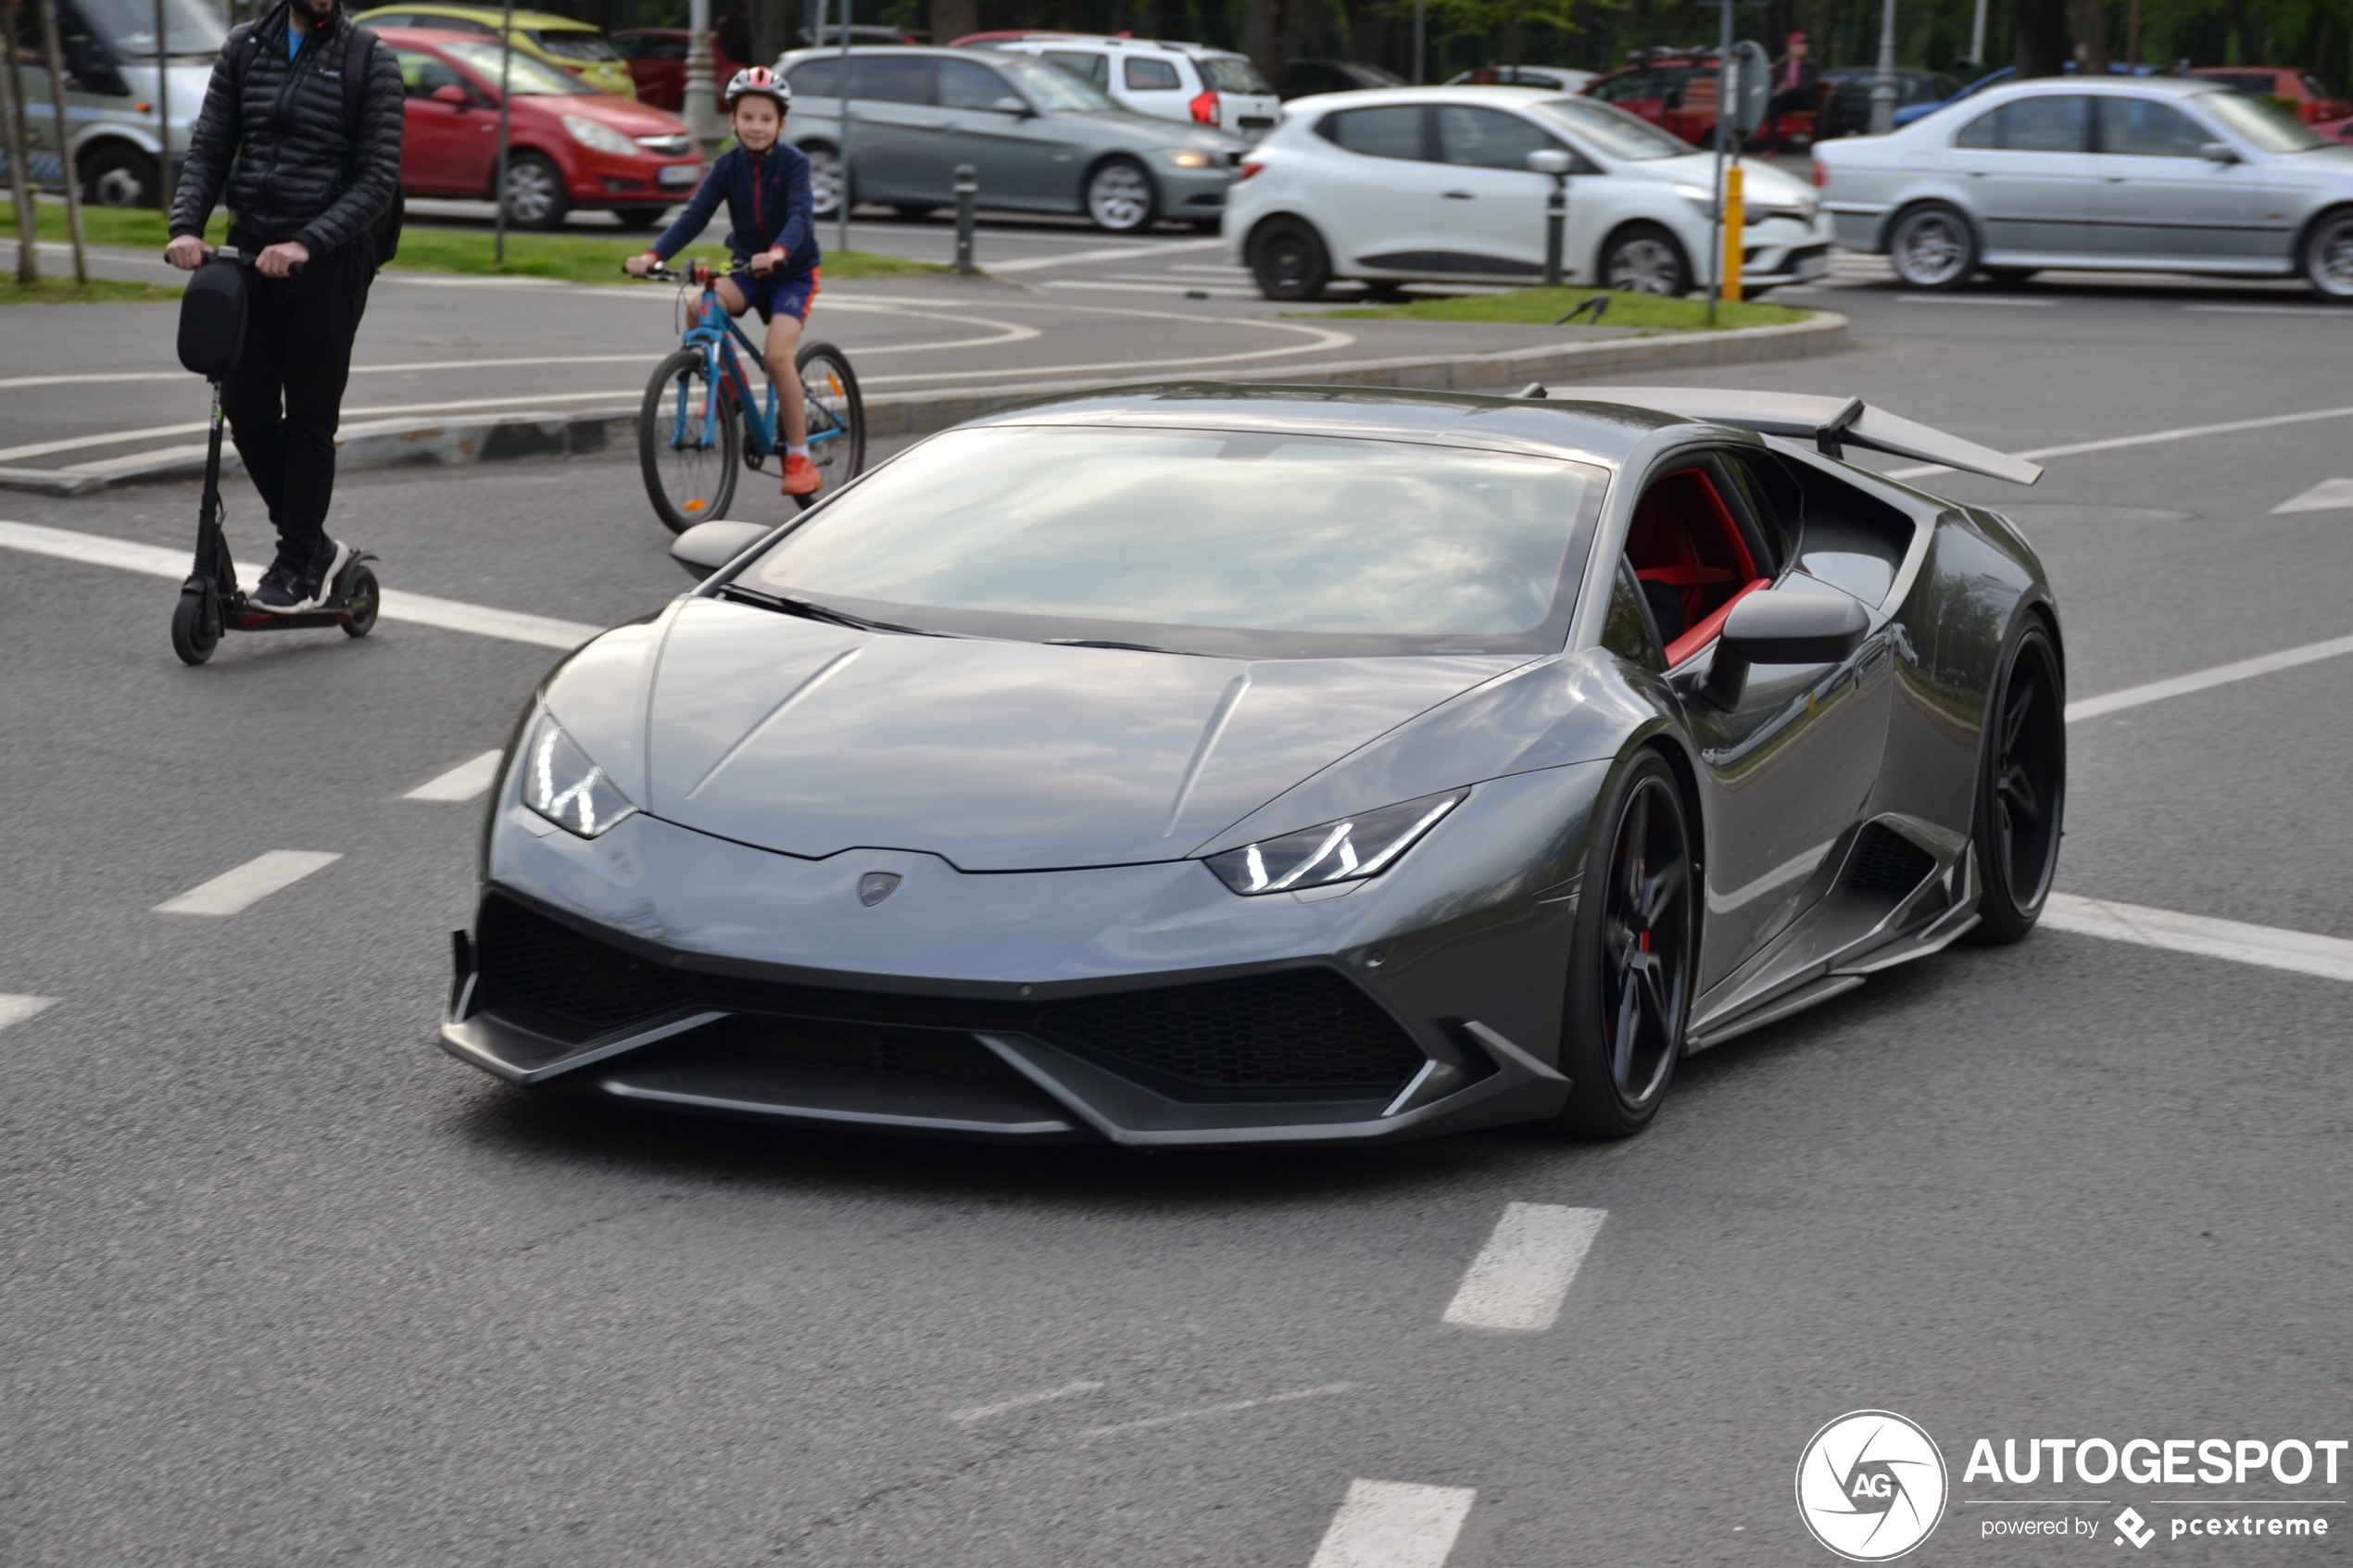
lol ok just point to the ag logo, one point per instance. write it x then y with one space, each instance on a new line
1870 1485
875 886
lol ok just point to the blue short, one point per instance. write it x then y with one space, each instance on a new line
779 291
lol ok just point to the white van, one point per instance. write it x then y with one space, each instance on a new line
1166 81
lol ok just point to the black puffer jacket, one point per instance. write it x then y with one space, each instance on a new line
280 149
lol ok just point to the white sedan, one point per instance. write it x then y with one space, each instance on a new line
1432 184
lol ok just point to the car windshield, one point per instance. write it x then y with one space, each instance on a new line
1052 89
1252 544
530 78
571 45
1231 73
2261 121
192 26
1612 130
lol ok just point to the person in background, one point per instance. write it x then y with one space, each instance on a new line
1797 82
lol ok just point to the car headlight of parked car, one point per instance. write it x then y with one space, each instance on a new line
563 786
1347 850
597 135
1190 158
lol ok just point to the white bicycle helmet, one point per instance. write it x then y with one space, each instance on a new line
759 79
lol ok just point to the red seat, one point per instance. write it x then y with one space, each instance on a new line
1684 537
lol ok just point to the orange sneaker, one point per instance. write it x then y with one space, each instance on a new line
801 477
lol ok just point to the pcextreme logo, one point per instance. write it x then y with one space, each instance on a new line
1870 1485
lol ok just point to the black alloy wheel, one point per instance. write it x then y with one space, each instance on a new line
1632 961
118 176
1289 259
2021 792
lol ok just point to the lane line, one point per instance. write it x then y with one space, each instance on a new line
2329 495
2153 438
1120 252
420 610
1325 338
1522 1276
2202 679
2317 312
1021 1402
1172 285
2330 958
16 1009
234 892
463 782
1154 1422
1975 299
1394 1524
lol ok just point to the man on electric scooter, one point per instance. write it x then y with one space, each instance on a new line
766 186
310 164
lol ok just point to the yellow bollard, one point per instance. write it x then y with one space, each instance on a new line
1734 222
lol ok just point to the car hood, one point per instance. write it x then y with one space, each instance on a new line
808 738
1153 131
624 115
1760 182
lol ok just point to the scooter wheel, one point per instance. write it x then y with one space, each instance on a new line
363 600
196 626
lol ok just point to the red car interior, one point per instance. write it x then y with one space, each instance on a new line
1686 539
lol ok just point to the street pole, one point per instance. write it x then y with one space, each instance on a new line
1884 85
163 115
842 199
1420 18
2132 39
65 136
1715 187
506 95
1977 36
13 136
967 189
697 105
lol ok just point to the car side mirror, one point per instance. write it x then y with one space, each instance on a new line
2218 152
452 94
706 546
1782 626
1550 160
1018 108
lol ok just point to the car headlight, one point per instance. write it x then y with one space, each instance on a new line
561 784
1189 158
596 134
1348 850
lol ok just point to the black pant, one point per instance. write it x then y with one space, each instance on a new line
286 398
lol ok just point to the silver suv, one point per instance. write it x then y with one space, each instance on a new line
111 98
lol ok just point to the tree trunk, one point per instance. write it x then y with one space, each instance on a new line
1263 36
951 20
2042 36
2087 20
772 24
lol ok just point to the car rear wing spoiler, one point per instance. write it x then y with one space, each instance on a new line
1831 423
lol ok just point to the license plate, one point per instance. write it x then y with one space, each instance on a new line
678 174
1812 266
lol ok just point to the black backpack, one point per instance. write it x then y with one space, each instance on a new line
385 239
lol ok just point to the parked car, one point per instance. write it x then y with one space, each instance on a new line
1304 79
567 146
1906 113
1420 184
1560 79
1043 139
2336 131
1846 109
1185 82
2300 92
1675 91
2115 174
657 57
829 37
578 49
111 77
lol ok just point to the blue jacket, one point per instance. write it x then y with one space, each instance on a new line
769 202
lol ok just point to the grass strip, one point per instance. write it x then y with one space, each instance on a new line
1544 307
64 291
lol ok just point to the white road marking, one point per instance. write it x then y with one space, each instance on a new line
2330 957
2153 438
1394 1524
1021 1402
234 892
1523 1273
463 782
17 1008
1172 285
2329 495
1153 1422
2201 680
1122 253
112 438
1975 299
421 609
2316 311
1325 337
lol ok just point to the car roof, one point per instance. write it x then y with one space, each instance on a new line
542 20
1106 41
2165 86
1365 97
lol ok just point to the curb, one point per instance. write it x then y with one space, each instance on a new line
494 438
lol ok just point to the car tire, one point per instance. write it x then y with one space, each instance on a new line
1932 247
536 196
1646 258
1119 197
118 176
639 217
2010 277
912 212
2326 256
825 178
1633 955
2019 814
1383 291
1288 260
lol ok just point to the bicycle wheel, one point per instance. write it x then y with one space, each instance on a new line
837 416
690 471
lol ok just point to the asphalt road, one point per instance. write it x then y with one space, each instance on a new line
285 1285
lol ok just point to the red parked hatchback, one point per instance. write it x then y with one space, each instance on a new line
567 146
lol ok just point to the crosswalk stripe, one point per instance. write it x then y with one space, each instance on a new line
234 892
1523 1273
1394 1524
16 1009
463 782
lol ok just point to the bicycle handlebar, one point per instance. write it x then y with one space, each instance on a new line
696 272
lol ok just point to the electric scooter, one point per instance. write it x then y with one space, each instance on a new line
212 317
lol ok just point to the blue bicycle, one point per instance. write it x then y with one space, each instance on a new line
700 420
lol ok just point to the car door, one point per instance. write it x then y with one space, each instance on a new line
1375 195
895 137
1092 64
1491 205
1151 85
2030 176
446 149
2158 198
1012 150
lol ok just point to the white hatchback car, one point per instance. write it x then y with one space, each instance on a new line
1165 80
1422 184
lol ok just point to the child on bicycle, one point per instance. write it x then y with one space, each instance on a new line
765 183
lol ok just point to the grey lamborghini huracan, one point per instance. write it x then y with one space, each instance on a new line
1209 764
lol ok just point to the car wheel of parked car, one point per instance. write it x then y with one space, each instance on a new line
1646 258
639 217
117 177
2021 787
825 178
1933 247
536 193
1631 964
1120 195
2328 256
1289 259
